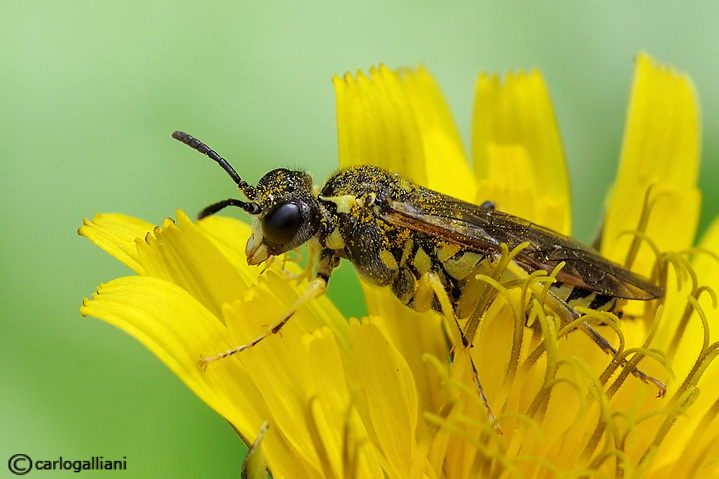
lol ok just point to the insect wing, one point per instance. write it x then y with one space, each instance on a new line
484 229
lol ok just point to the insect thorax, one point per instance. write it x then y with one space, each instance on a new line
383 254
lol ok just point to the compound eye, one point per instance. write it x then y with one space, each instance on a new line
280 225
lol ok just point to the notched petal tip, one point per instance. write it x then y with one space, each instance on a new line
82 230
399 120
516 147
115 234
662 137
662 148
83 309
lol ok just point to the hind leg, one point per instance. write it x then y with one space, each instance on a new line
567 314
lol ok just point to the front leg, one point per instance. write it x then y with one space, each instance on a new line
328 261
306 273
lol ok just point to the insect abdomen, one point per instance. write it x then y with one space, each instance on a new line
453 266
575 296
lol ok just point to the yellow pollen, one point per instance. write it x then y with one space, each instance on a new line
387 259
406 251
422 261
335 240
344 203
447 250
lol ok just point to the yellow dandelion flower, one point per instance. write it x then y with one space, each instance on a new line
380 397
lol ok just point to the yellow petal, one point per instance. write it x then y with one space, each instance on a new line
661 148
230 237
116 234
414 335
181 253
178 329
707 270
281 357
517 152
694 430
375 124
400 121
389 394
339 428
446 162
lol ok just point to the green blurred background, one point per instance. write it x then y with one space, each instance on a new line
91 90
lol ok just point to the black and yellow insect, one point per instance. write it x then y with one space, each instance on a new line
425 246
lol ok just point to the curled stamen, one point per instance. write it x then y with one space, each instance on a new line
486 295
548 282
683 402
631 429
647 206
534 356
540 402
688 310
687 267
538 408
630 366
604 421
612 321
678 265
622 461
550 339
538 276
518 332
658 274
578 380
706 355
710 291
699 250
526 420
448 382
454 426
641 236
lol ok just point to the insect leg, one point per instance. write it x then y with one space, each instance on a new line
568 314
636 372
428 287
315 289
313 252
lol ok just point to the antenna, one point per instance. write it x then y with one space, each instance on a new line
251 208
192 142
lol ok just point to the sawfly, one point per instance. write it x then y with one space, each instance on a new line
425 246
